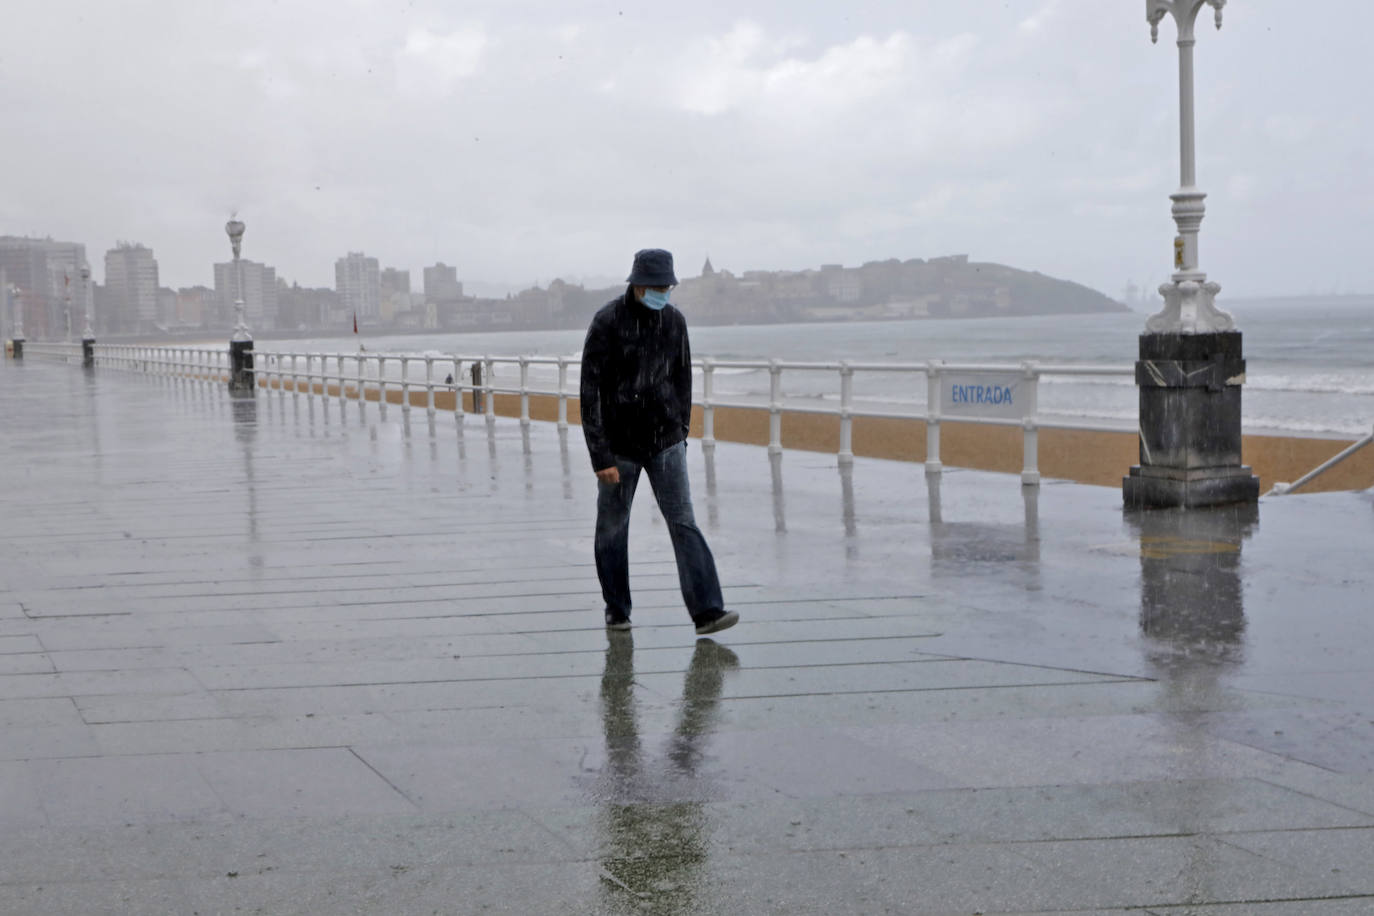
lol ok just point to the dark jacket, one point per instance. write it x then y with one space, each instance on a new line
636 381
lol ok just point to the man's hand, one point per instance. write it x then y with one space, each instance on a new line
610 475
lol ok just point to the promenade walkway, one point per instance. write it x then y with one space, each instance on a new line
285 656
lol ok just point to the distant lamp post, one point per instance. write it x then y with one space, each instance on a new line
1191 368
17 307
88 333
67 300
241 343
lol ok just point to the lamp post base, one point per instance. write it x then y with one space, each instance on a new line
241 366
17 347
1170 488
87 353
1190 438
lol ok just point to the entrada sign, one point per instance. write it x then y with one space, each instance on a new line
982 394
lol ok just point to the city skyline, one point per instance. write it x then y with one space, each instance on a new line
133 300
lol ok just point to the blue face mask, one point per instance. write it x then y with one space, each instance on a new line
655 299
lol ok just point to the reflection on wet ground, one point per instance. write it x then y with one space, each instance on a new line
655 829
358 663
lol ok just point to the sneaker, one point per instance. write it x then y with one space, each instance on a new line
716 621
616 620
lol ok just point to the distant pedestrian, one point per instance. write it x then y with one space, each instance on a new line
636 406
448 379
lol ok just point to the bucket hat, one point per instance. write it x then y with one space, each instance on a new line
652 267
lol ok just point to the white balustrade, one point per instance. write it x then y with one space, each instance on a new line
429 385
524 391
934 397
708 407
562 392
458 388
211 365
846 454
1030 439
774 407
489 388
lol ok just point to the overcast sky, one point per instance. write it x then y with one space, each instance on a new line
527 139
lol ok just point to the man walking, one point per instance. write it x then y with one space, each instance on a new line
636 406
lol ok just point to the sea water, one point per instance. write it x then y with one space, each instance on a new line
1310 361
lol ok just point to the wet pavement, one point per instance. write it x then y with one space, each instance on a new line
286 656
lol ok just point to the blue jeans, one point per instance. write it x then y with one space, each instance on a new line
696 568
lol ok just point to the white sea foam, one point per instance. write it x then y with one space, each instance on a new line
1310 364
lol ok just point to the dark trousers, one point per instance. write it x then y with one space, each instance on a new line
696 568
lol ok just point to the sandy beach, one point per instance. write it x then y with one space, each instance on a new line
1101 458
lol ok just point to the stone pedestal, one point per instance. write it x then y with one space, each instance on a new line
1190 440
241 365
87 353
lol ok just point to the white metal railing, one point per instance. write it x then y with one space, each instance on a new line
362 375
1281 489
57 350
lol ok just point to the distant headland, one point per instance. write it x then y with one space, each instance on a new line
944 287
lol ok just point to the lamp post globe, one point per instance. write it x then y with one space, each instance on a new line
234 228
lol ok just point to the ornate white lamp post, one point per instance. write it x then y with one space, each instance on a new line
241 343
18 311
235 228
88 333
67 303
1188 300
1191 368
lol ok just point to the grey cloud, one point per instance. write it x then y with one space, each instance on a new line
526 140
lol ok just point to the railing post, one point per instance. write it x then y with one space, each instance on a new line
774 407
562 392
934 397
343 386
1030 423
524 391
381 385
490 394
708 410
846 455
362 394
429 385
405 384
477 406
458 388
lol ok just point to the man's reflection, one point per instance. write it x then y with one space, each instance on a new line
655 831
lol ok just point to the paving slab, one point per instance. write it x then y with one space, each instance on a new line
282 655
